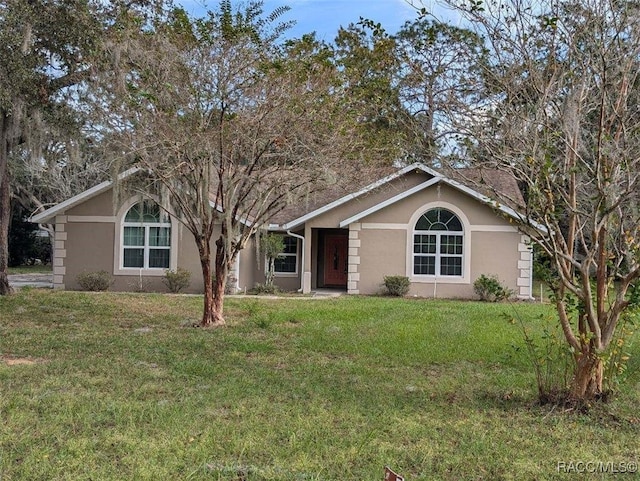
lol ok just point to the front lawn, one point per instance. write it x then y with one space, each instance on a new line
116 386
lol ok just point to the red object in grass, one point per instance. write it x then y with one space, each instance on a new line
391 476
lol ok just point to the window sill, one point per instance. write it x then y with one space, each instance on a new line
438 279
155 272
285 274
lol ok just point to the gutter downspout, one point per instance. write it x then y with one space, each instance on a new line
297 236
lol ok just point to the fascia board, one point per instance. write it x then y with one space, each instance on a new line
390 201
49 214
336 203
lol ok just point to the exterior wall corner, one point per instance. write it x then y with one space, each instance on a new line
59 252
524 282
353 261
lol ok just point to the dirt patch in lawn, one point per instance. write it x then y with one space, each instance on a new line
20 361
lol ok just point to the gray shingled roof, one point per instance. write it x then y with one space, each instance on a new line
495 184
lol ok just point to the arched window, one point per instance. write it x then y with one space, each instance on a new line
438 244
146 237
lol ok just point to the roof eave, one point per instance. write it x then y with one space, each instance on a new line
456 185
374 185
45 216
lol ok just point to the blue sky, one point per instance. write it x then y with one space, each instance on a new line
326 16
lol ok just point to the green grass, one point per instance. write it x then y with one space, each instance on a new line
39 269
293 389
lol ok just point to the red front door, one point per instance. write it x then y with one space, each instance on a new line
335 260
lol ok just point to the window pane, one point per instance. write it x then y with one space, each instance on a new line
290 245
159 236
424 265
451 244
133 258
433 216
445 215
146 211
286 264
159 258
134 214
451 266
134 236
424 244
423 223
454 224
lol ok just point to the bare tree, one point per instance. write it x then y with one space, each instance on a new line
563 118
229 125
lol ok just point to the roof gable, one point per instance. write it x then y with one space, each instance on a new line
503 183
435 180
47 215
344 199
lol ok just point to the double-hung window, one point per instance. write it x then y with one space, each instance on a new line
146 237
438 241
287 261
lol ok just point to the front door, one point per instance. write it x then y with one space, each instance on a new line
335 260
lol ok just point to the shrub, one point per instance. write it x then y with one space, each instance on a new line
95 281
549 355
397 285
177 280
264 289
272 245
489 288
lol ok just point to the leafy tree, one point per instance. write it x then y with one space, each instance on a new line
47 50
272 246
439 83
229 125
564 120
366 57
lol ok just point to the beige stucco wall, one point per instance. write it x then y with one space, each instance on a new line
87 238
382 253
491 254
382 244
379 244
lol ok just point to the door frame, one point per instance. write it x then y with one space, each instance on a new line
323 237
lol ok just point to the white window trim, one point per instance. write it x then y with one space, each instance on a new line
437 254
466 243
118 255
296 255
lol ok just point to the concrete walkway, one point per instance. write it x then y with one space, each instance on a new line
18 281
317 294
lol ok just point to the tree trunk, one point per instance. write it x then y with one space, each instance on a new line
213 287
271 268
5 207
220 283
587 378
209 318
